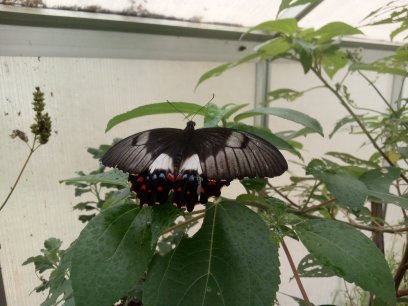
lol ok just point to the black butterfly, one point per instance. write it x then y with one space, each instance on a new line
194 164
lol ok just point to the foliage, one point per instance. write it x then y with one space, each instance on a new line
144 255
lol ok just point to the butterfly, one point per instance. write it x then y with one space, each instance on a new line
191 164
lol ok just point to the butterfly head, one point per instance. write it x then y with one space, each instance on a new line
190 125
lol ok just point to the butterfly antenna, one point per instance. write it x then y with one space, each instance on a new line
204 106
185 117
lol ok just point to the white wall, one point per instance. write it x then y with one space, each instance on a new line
86 93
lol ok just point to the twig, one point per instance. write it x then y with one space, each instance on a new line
402 292
183 223
377 211
295 273
402 267
316 207
32 150
284 196
317 183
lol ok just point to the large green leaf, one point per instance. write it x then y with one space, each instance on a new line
335 29
155 109
230 261
222 68
285 113
348 190
114 177
112 253
116 198
309 266
349 254
267 135
333 62
274 47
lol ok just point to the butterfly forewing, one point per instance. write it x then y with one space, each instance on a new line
229 154
136 153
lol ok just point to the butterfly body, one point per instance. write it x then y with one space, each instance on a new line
193 164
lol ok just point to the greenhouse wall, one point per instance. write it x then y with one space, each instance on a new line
87 81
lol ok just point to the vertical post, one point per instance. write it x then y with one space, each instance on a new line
397 83
3 301
261 90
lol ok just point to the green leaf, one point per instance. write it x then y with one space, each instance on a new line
393 64
257 183
288 26
222 68
113 177
285 4
163 216
111 254
380 68
335 29
267 135
306 60
380 179
155 109
285 113
403 151
213 115
116 198
274 47
346 189
225 263
333 62
309 266
285 93
351 160
389 198
231 109
341 123
349 254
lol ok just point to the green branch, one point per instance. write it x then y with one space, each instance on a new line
359 122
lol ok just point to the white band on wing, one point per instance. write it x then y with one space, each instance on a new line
162 162
192 163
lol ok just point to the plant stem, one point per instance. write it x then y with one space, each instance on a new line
402 267
355 117
311 194
295 273
283 196
377 91
316 207
32 150
183 223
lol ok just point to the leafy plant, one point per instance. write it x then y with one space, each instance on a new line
143 255
41 130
